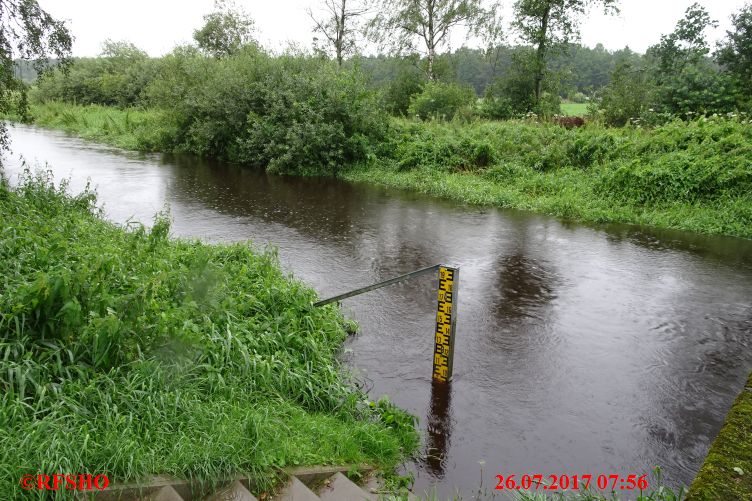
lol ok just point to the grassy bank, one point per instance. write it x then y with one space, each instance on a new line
126 353
727 471
688 175
693 175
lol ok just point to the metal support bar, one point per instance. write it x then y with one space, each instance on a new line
446 314
379 285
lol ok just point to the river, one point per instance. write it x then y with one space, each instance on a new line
579 349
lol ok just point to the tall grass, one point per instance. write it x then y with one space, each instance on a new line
132 129
689 175
126 353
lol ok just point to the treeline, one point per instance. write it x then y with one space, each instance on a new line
680 75
583 70
226 97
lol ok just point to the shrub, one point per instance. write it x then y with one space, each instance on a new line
398 93
689 162
290 114
440 101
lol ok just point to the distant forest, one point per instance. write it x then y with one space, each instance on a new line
582 70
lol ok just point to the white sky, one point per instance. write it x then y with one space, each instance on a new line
158 25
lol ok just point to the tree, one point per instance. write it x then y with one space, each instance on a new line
27 32
688 81
338 27
402 23
225 30
549 25
686 45
735 52
626 97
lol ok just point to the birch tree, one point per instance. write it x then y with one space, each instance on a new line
549 25
338 25
426 25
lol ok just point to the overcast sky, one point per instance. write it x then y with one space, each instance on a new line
158 25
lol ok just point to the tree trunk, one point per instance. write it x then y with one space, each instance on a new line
430 43
540 56
341 33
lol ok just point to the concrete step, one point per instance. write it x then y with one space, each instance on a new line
295 490
166 493
235 492
340 488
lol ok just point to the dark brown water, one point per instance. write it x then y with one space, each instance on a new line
607 349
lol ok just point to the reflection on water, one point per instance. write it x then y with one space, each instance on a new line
438 428
579 349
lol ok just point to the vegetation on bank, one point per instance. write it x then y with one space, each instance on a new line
694 175
690 175
126 353
727 470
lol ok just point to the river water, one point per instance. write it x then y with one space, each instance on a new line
579 349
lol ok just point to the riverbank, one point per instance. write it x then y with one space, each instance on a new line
127 353
727 471
692 176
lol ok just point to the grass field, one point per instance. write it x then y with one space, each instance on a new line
574 109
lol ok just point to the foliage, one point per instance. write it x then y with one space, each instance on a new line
119 77
440 101
291 113
626 97
513 95
169 357
134 129
400 23
313 119
225 30
400 91
735 52
29 33
548 26
693 175
686 79
731 453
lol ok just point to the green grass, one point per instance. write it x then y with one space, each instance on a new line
574 109
126 353
131 129
694 176
727 470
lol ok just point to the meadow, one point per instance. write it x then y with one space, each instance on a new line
574 109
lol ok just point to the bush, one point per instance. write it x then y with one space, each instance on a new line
440 101
688 162
399 92
579 97
290 114
314 119
118 78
